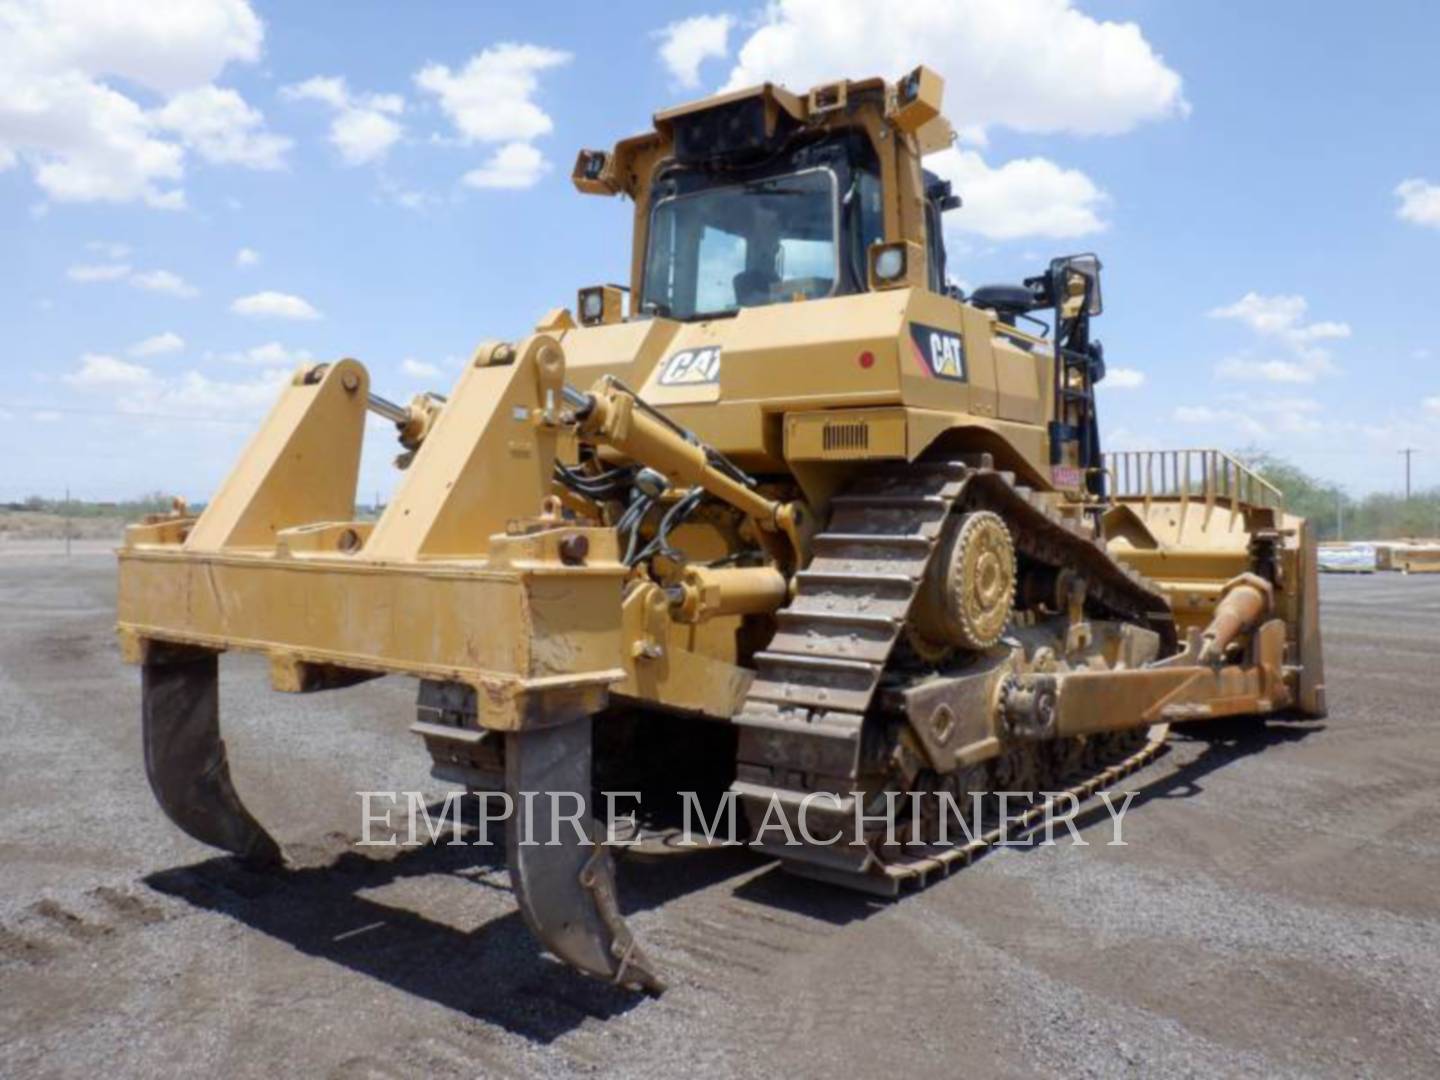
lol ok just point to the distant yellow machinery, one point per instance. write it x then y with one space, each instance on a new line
1408 556
794 525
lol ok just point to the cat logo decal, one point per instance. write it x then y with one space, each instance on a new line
692 367
940 352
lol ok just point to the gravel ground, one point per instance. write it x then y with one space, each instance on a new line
1275 912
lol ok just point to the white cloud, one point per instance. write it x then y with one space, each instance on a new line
98 272
1279 316
1279 405
98 370
82 139
1247 368
108 249
514 165
1254 418
1196 414
165 45
1034 66
410 200
363 129
222 128
1123 378
363 135
163 281
138 390
1278 321
276 305
490 100
1419 202
246 257
1037 66
686 44
84 142
1023 197
326 89
418 369
168 342
1123 438
271 354
194 394
1432 405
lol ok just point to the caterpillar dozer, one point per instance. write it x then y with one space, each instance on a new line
788 521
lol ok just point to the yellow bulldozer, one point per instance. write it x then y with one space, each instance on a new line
788 522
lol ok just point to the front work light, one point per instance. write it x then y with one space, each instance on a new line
599 305
917 100
593 173
895 266
889 263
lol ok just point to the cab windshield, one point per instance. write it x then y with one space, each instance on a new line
714 251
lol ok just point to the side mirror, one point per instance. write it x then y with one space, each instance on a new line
1088 267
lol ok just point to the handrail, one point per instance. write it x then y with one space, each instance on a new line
1221 478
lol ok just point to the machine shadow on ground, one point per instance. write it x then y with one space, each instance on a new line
495 972
1223 742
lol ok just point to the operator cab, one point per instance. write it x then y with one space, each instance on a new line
795 226
764 196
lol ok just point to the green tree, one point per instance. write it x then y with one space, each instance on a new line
1375 517
1322 502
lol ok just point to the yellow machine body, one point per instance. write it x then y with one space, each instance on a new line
673 514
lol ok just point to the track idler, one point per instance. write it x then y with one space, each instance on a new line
565 885
185 757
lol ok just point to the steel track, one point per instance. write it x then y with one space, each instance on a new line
802 727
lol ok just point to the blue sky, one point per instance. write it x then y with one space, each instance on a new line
1260 181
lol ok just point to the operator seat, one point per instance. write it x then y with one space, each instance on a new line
753 287
1007 301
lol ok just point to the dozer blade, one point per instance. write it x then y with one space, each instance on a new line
185 756
566 888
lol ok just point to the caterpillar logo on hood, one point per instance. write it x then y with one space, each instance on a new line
940 352
692 367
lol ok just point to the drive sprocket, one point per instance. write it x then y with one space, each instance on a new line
969 593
